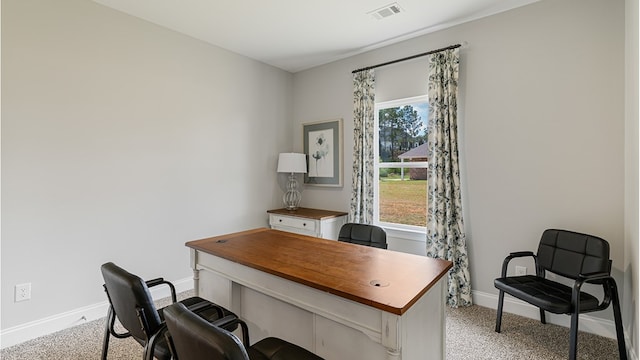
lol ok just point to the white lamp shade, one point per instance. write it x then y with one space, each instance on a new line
292 163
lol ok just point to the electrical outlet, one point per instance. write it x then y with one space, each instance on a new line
23 292
521 270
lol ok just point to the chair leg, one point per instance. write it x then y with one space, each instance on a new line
243 327
107 332
147 353
150 346
245 334
573 336
622 349
499 314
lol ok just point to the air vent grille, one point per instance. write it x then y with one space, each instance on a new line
386 11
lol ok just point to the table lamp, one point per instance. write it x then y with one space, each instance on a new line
292 163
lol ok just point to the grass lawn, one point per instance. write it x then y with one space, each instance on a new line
403 202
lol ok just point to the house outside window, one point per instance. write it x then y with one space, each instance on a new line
401 168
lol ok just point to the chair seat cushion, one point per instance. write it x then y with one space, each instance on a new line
277 349
205 309
544 293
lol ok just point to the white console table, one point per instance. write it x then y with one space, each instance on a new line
313 222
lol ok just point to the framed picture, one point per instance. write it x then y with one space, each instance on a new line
322 143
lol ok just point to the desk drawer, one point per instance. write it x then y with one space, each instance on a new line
297 223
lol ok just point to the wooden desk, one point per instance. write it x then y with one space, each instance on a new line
339 300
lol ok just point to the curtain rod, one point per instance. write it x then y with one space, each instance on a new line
407 58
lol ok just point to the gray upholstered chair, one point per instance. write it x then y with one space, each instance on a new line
580 257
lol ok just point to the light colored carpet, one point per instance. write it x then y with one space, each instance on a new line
470 336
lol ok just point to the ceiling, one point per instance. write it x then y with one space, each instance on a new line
296 35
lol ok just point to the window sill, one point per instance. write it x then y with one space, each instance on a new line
406 234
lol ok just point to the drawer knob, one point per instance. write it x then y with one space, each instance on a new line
280 220
304 224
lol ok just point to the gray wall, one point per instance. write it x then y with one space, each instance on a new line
541 121
121 140
630 298
115 140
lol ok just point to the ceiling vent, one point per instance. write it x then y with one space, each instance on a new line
386 11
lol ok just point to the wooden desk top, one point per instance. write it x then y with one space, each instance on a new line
315 214
342 269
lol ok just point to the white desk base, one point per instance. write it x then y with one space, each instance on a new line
328 325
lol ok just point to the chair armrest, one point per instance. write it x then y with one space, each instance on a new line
161 281
521 254
154 282
111 320
228 320
514 255
204 306
589 277
593 276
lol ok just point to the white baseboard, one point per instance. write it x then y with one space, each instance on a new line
31 330
590 324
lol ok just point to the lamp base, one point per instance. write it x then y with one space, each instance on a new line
292 197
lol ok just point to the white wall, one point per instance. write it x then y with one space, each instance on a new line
115 140
630 299
541 121
121 141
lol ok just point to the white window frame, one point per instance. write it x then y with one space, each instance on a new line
378 165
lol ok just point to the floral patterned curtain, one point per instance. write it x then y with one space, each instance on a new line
361 209
445 227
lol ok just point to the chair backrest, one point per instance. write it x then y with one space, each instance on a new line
569 253
130 298
363 234
194 338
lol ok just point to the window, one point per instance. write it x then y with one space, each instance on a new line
401 170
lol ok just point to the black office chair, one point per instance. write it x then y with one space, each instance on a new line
131 302
581 257
192 338
363 234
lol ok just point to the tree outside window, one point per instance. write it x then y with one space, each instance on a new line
401 169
